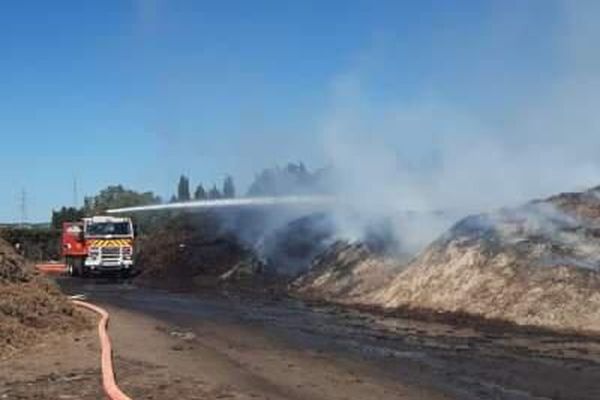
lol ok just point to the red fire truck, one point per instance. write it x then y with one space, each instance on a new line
98 245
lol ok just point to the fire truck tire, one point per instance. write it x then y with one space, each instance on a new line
78 268
70 267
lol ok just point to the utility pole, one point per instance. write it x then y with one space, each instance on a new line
75 192
23 207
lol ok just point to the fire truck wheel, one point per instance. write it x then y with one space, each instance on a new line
78 267
71 271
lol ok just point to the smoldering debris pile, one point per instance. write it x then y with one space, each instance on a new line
290 249
535 265
190 252
30 306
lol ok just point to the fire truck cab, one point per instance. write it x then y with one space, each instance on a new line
98 245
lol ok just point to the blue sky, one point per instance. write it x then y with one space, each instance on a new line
137 92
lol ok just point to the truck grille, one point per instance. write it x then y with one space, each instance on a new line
111 253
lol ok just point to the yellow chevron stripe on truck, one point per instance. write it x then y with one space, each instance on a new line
111 243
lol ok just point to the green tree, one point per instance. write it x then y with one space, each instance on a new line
183 189
214 193
200 193
228 188
117 197
294 178
66 214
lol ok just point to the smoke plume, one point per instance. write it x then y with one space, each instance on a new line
442 158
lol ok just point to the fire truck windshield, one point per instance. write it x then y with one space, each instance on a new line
108 228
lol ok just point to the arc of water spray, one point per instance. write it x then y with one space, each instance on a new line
317 201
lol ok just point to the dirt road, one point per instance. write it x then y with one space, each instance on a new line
216 347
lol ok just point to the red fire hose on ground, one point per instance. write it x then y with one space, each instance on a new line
108 376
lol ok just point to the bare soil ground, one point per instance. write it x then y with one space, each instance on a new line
155 360
215 346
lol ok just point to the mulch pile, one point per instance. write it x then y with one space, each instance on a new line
534 265
31 306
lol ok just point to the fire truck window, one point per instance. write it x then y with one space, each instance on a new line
121 228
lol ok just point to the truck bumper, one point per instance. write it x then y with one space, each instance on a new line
101 266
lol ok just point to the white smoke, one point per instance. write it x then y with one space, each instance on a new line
419 161
429 155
